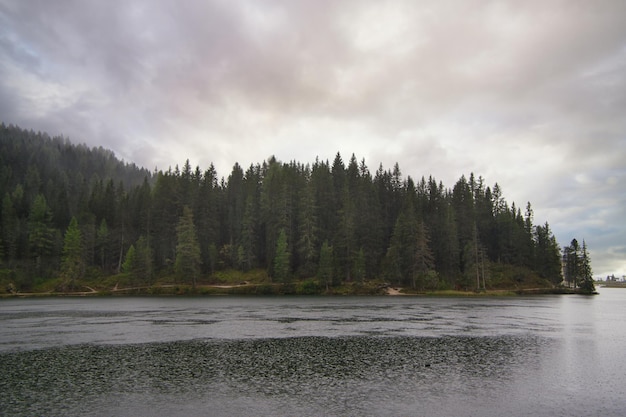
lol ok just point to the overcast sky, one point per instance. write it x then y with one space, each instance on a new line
529 94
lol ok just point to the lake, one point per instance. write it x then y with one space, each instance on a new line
314 356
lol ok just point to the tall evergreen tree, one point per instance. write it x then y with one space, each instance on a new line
547 255
325 268
281 259
344 244
40 231
139 262
235 203
400 259
359 268
73 263
102 244
10 228
275 208
130 260
571 258
187 264
586 283
247 246
207 218
307 230
424 261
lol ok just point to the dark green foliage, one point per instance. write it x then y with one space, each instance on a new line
281 259
187 264
308 287
102 244
40 233
547 255
325 269
359 266
336 222
130 260
577 267
72 265
138 263
572 263
423 260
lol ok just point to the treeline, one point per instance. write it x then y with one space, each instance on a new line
336 222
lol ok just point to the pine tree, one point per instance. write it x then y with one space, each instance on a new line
247 248
359 269
325 268
207 218
10 228
235 204
102 243
424 261
187 264
344 242
144 264
586 283
73 265
571 258
547 255
212 256
130 260
281 259
307 231
139 262
399 258
40 231
275 208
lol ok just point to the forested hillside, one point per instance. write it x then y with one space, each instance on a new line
70 213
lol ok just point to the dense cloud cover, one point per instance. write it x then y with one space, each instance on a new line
529 94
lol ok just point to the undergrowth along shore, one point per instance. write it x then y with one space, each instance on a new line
306 288
257 282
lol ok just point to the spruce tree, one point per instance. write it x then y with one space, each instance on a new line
10 228
144 265
40 231
586 283
307 231
281 258
424 261
73 265
359 269
247 248
102 243
130 260
571 257
547 255
187 264
325 268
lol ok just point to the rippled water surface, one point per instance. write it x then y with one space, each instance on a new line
371 356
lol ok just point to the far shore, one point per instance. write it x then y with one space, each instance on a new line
285 289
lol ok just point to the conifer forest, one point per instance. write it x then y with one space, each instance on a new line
72 214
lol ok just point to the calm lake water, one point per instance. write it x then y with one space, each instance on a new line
317 356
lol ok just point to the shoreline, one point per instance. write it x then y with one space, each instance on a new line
286 290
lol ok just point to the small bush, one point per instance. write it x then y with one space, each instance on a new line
264 289
308 287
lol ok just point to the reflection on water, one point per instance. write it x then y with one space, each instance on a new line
313 356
